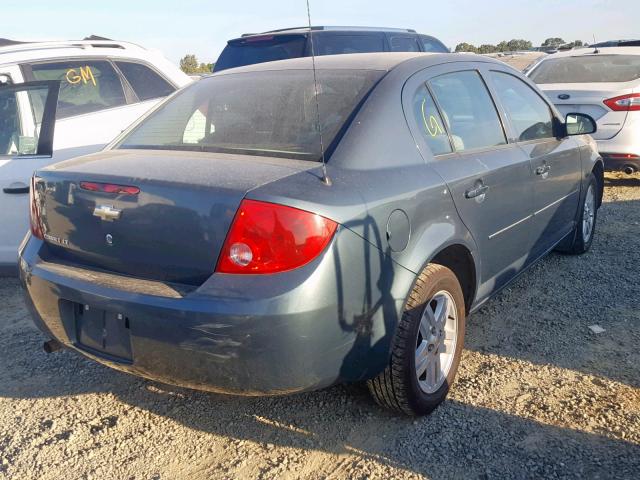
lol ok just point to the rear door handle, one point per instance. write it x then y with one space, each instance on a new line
16 188
476 192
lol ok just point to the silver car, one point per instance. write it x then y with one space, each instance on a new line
605 84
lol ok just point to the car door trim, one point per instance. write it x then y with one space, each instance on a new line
538 212
522 220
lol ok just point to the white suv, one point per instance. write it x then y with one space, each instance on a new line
104 86
605 84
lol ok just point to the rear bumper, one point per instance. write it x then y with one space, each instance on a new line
627 141
296 331
615 163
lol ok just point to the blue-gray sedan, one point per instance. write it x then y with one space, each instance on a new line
208 247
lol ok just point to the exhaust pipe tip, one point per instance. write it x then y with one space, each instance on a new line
51 346
629 170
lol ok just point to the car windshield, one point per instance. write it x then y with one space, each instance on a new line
597 68
264 48
270 113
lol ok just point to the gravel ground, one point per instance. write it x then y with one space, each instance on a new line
538 395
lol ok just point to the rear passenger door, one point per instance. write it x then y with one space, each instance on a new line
27 121
489 179
555 161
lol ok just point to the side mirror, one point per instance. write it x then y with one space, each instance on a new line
580 124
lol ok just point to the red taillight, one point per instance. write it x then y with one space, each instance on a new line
109 188
34 211
269 238
624 103
625 156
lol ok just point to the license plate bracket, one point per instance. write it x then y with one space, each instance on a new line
103 332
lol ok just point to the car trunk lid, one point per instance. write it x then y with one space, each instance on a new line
171 230
589 99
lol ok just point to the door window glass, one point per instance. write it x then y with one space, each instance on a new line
85 86
430 122
468 110
530 116
403 43
19 128
145 82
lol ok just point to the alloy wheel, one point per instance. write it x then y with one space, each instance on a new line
436 342
588 214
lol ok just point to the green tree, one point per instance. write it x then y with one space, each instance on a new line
501 47
466 47
553 42
190 65
518 44
487 48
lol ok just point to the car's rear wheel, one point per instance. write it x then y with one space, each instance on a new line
427 348
582 236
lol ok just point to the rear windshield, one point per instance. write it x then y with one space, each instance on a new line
270 113
267 48
588 69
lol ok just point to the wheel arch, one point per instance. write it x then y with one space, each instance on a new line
459 259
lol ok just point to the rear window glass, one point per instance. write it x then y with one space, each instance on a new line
430 44
430 122
85 86
588 69
403 43
336 44
270 113
261 49
145 82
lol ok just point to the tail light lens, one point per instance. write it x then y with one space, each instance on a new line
270 238
624 103
34 211
110 188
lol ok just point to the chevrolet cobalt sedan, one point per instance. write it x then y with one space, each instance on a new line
260 233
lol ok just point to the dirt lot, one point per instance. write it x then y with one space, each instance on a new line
538 395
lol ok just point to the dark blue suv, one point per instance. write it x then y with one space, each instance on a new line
281 44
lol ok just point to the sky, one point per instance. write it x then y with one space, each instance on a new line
178 27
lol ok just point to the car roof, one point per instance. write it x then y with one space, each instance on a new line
580 52
303 30
384 61
17 52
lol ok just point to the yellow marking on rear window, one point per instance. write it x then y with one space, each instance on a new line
85 75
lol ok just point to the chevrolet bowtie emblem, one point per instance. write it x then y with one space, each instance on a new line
107 212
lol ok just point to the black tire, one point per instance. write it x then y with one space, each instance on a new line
577 243
397 387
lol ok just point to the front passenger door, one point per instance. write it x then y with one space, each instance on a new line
27 121
555 161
